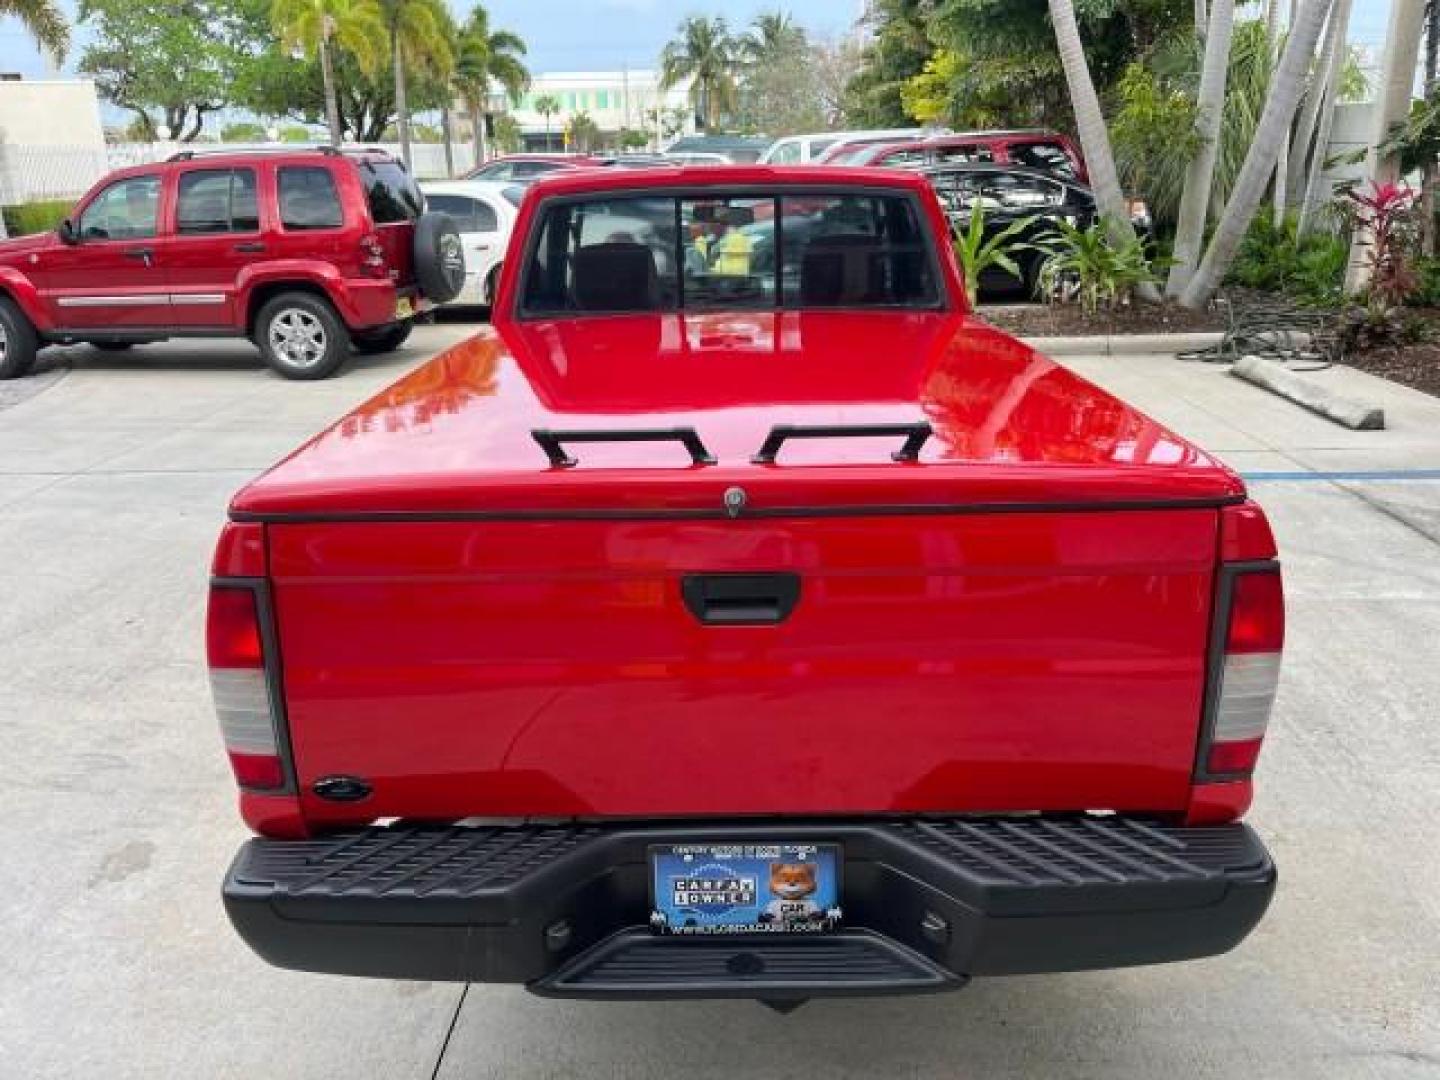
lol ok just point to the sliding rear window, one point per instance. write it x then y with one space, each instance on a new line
628 254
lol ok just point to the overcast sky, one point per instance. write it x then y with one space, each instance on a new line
576 35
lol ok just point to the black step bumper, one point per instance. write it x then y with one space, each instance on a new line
928 903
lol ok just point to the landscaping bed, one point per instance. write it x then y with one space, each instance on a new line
1070 320
1416 366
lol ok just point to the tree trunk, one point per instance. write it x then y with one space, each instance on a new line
1090 125
1331 56
332 102
477 133
1286 85
1432 83
1310 197
1392 106
449 143
1210 102
483 137
402 104
1202 20
1282 160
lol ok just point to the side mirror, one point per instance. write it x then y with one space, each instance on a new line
67 233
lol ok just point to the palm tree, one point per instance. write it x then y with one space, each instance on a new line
45 22
1324 94
421 32
316 27
480 56
1286 86
584 132
547 105
1090 125
1210 107
771 38
704 52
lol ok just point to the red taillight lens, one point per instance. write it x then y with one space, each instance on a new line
1254 638
241 688
372 255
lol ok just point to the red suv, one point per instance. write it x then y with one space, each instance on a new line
308 253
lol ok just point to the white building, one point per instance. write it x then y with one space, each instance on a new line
51 141
612 99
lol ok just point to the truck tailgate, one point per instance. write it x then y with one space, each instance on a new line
1031 660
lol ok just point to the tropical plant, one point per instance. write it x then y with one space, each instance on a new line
897 50
318 27
483 55
705 53
243 131
582 132
1200 172
1154 134
978 253
44 21
1308 268
1381 213
34 217
630 139
771 39
1259 167
1093 266
547 105
508 136
422 35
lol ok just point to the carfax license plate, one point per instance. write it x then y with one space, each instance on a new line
745 888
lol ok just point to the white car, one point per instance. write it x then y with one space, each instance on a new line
798 149
484 213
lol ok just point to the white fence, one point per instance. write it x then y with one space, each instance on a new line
28 173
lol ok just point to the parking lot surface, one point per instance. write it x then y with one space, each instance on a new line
116 816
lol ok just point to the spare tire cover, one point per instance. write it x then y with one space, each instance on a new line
439 258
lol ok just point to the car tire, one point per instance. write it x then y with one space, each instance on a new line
492 282
18 341
112 346
301 337
386 339
439 258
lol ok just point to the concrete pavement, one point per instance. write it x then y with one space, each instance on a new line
116 819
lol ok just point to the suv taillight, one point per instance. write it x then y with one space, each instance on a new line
1249 668
240 684
372 256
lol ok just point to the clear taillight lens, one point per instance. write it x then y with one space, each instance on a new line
1254 638
241 689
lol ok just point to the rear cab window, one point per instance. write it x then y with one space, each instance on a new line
796 250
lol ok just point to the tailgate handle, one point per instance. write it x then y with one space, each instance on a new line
553 442
914 434
741 599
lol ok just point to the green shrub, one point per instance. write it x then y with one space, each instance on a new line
1088 266
1427 289
1308 269
36 217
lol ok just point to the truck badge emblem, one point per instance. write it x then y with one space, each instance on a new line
734 501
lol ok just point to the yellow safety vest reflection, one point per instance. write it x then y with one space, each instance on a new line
732 254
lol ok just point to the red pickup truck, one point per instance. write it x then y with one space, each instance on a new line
743 618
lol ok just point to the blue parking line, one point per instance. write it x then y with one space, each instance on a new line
1345 474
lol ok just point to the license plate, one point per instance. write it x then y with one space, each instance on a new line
404 309
739 888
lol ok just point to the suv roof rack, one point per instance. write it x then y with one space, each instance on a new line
321 148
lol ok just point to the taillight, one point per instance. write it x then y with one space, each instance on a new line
372 256
235 644
1249 670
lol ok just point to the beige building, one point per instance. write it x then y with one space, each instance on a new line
51 141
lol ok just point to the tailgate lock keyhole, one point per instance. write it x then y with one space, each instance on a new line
735 500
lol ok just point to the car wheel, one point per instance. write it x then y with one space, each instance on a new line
387 339
439 258
112 346
301 337
18 341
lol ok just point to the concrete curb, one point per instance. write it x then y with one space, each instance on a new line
1278 379
1124 344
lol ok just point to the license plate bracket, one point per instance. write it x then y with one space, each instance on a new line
745 888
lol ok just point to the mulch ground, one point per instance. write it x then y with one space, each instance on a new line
1416 366
1068 320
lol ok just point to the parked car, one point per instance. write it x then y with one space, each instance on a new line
510 168
484 213
727 632
737 149
697 158
800 149
307 252
1043 150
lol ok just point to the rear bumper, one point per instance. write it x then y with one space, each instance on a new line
563 908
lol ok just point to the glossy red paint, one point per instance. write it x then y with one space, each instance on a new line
1018 621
